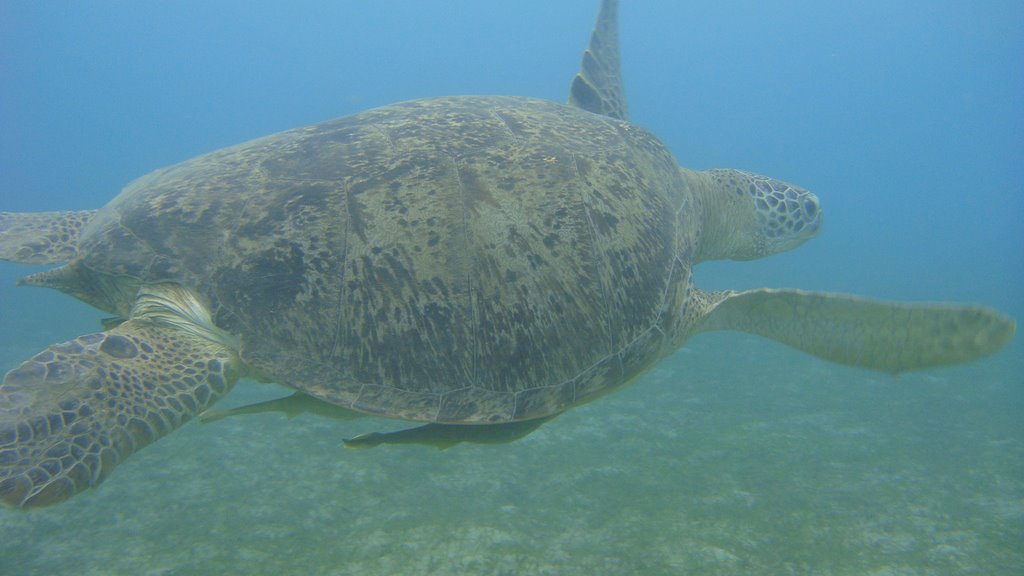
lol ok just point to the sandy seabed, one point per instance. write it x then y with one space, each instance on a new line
735 456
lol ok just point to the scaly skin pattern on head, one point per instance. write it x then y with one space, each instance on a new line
749 216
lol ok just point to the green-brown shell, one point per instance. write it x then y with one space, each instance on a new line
464 259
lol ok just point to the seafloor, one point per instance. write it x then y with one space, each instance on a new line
736 456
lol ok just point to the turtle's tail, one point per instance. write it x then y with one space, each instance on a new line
41 237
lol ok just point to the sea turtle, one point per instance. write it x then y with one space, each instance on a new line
481 264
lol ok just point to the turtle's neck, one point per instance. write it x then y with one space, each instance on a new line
727 222
746 216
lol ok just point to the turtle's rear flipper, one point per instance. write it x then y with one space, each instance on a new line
597 87
73 412
41 237
290 406
443 436
888 336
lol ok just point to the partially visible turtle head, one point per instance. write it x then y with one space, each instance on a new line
748 216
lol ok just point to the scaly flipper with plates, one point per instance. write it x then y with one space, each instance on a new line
73 412
41 237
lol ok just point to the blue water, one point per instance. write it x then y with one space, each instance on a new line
734 456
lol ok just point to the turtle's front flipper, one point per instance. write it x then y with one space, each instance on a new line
442 436
290 406
888 336
73 412
41 237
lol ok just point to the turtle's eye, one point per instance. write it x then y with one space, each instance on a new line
810 208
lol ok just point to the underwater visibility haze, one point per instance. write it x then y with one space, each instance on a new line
733 455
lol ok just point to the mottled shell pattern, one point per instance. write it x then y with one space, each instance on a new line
463 259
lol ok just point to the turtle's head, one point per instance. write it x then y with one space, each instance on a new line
748 216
